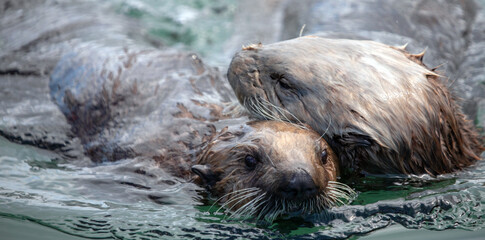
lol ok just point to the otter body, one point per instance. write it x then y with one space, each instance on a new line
379 107
167 106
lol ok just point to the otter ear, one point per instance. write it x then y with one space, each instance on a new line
206 173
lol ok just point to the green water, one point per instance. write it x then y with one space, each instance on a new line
58 200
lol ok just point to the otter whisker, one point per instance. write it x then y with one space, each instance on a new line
283 112
265 112
343 188
239 199
244 103
239 196
250 105
324 200
340 184
322 208
318 203
338 194
248 102
328 127
329 200
251 210
338 190
278 210
253 108
275 115
283 206
255 208
262 212
274 212
336 200
233 192
245 207
307 206
242 211
238 192
322 203
341 198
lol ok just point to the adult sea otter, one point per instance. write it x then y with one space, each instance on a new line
378 106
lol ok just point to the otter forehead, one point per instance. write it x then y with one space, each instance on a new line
289 144
295 149
274 129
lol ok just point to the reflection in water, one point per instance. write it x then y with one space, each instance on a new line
133 198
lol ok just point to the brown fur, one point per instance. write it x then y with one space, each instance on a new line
281 150
379 107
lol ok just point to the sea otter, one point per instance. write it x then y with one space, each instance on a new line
268 168
378 106
167 106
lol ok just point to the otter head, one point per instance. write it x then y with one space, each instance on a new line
269 168
334 85
280 81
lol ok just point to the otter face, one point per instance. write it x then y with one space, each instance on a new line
261 74
332 85
282 81
268 168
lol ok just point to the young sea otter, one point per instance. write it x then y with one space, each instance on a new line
268 168
379 107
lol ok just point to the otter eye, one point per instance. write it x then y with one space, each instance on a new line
284 85
250 162
324 156
279 77
275 76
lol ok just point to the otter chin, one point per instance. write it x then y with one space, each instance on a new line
379 107
265 169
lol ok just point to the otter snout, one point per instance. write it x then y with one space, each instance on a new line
299 185
243 76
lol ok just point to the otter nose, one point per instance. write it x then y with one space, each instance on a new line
300 185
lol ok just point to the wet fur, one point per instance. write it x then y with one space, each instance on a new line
281 149
379 107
